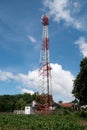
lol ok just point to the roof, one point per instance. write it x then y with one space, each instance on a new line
66 104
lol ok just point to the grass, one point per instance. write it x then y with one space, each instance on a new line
56 121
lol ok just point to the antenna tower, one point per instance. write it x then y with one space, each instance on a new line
45 68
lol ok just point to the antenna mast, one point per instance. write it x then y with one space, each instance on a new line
45 68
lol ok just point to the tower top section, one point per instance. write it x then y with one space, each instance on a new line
45 20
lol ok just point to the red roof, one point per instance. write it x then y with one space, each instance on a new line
66 104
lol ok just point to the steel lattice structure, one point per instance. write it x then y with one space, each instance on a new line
44 73
45 69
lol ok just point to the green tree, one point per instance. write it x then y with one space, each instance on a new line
9 103
27 98
20 104
80 83
6 103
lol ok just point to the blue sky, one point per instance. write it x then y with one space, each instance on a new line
21 38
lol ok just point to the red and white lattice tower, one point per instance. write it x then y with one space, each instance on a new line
45 68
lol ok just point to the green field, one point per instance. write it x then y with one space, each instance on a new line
56 121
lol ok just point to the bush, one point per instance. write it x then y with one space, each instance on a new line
83 114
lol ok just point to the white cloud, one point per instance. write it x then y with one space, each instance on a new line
4 76
24 90
29 80
64 10
82 45
62 82
32 39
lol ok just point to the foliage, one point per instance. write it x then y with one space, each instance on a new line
41 122
9 103
83 114
80 83
20 104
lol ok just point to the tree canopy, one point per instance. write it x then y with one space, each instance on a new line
9 103
80 83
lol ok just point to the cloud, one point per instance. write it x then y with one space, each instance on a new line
64 10
82 43
29 80
24 90
62 82
5 76
32 39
